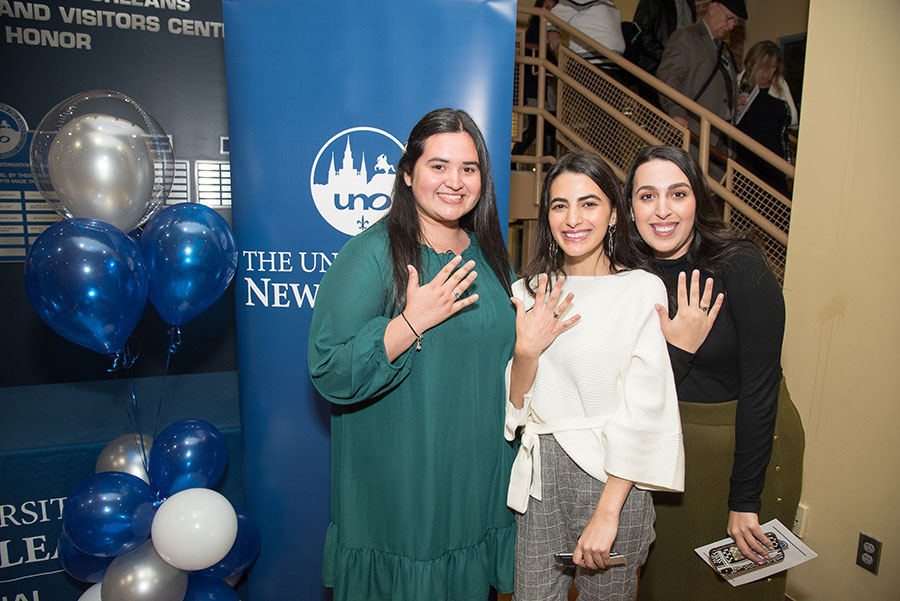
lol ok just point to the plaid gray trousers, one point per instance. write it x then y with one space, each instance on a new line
555 523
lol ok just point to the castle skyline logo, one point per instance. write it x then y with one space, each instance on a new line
352 177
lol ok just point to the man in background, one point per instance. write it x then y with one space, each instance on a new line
655 21
699 64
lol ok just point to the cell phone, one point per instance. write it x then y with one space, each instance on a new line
615 559
728 558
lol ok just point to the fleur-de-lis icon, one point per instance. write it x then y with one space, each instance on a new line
362 222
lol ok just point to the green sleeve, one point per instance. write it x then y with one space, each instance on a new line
346 355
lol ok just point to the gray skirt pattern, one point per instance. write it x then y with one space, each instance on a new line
554 524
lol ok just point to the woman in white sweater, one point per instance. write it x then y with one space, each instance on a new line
591 386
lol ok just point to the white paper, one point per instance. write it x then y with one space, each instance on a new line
795 553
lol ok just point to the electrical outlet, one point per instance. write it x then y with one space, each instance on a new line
868 553
800 520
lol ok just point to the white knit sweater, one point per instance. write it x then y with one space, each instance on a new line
604 389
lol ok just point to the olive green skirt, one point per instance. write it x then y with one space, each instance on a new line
685 521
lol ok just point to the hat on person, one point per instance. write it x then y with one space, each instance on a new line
736 6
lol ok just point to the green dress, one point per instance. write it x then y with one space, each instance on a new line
419 465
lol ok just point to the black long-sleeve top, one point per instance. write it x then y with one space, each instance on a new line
740 359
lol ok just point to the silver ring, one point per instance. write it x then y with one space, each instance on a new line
456 295
704 309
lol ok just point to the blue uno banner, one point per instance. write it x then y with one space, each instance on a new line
321 99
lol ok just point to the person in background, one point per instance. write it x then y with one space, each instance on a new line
598 19
767 111
530 87
592 391
656 20
698 63
743 438
410 349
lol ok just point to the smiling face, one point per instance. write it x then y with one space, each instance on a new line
579 216
446 180
664 206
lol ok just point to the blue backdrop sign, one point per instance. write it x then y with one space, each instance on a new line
321 98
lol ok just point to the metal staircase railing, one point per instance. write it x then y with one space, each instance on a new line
596 112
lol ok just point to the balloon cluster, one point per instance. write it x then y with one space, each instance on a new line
153 529
106 165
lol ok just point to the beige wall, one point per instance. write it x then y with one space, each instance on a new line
626 7
774 19
842 290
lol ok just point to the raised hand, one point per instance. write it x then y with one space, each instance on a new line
443 296
695 316
538 327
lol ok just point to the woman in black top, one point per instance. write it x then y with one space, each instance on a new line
770 113
726 357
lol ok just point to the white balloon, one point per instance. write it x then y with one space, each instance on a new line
101 167
126 453
92 594
194 529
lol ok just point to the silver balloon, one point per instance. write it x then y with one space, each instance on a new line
92 594
100 155
101 168
142 575
124 454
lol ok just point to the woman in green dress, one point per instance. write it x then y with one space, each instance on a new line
411 333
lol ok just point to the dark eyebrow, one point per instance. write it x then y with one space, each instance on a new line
443 160
580 198
671 187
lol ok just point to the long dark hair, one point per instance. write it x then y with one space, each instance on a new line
403 226
714 242
547 257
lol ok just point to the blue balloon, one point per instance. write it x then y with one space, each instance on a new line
191 257
87 281
190 453
109 514
204 588
242 553
78 565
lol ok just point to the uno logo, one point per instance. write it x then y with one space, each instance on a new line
352 177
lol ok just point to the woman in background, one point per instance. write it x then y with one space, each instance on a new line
593 391
770 113
410 349
743 438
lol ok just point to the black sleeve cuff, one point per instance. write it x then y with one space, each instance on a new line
682 361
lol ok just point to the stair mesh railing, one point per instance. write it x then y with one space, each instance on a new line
596 112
